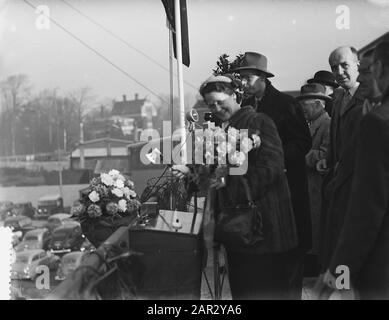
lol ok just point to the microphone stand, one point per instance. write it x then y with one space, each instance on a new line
155 184
194 213
192 126
171 178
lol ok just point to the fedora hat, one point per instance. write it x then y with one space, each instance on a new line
324 77
254 61
313 91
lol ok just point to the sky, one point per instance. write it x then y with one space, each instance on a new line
296 36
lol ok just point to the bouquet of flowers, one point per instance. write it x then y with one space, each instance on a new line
110 201
221 150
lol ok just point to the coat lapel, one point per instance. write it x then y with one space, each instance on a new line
315 124
338 96
238 116
356 98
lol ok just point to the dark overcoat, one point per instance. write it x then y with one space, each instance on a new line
268 185
296 141
320 132
363 244
342 149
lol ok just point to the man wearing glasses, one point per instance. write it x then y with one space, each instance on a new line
296 141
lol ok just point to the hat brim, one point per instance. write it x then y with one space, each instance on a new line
267 73
327 83
313 96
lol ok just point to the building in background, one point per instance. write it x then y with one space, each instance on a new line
101 155
103 128
134 115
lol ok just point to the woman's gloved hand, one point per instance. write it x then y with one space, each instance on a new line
180 170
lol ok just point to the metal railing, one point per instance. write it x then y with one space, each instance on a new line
47 156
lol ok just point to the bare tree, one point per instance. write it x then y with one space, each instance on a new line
83 99
15 90
165 109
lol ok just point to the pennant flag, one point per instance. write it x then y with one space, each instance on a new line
169 8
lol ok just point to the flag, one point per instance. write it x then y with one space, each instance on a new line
169 8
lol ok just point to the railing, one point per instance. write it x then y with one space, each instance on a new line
48 156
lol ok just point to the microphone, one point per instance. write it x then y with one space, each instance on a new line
192 117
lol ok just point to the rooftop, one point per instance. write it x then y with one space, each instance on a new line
128 107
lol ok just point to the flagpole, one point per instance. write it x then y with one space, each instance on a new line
177 9
171 106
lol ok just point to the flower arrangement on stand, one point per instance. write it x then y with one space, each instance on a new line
108 203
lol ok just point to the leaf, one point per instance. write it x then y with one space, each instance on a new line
223 65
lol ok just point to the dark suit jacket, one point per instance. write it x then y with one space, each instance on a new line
363 244
343 139
328 106
296 140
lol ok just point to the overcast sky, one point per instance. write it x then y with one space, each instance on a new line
296 36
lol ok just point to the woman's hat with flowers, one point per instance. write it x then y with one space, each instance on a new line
218 78
230 79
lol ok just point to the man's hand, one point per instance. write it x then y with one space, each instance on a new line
324 286
329 280
321 166
319 288
217 183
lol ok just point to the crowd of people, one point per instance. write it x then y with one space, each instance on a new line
321 177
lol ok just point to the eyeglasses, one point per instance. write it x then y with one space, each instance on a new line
247 77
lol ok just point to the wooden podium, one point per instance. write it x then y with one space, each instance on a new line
171 263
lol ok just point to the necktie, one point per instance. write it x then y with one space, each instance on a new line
257 104
346 99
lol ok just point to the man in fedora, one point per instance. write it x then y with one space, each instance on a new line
327 79
312 99
296 139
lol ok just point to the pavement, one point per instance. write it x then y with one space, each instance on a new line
208 279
